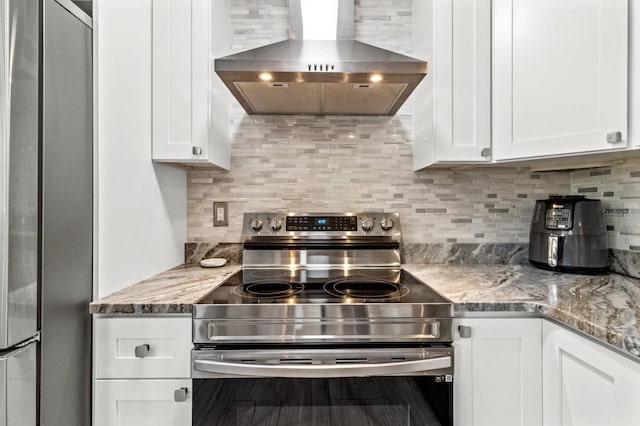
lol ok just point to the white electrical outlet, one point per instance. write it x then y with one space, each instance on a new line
220 214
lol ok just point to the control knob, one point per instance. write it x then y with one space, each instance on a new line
386 223
275 224
255 224
367 224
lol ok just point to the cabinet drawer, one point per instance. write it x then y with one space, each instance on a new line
163 347
142 402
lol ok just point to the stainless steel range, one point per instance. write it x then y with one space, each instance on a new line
322 306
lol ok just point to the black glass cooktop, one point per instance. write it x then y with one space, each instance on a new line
309 286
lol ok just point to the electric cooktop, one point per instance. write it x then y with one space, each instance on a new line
335 286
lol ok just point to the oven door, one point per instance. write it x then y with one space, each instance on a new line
389 386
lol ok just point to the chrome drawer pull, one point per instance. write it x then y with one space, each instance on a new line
464 331
180 395
142 351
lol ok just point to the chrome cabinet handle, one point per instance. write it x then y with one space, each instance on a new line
311 371
614 137
196 150
142 351
180 395
552 251
464 331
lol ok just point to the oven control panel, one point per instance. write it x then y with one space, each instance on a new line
321 223
329 224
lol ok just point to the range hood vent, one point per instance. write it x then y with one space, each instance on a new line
326 75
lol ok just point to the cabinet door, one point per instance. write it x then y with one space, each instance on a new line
142 402
190 109
172 108
498 372
463 80
559 77
587 384
454 36
142 347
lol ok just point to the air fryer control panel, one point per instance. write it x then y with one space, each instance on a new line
558 217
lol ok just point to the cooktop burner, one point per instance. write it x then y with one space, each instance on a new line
365 288
269 289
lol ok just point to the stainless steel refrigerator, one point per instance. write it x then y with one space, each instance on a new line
46 213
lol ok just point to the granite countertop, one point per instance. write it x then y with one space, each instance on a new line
606 307
170 292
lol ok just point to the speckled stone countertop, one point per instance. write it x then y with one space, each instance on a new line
170 292
606 307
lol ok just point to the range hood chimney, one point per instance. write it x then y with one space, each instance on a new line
329 74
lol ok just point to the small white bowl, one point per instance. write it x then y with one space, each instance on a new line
214 262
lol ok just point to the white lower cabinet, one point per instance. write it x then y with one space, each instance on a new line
142 402
498 372
587 384
142 370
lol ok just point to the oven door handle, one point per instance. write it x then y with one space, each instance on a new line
321 371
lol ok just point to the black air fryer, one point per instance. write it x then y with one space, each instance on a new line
569 234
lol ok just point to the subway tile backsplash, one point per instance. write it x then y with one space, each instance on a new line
328 163
435 206
618 187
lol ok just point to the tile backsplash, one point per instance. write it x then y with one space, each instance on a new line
619 189
328 163
323 176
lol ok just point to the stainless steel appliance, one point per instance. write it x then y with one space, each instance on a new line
19 141
569 234
46 215
322 326
336 75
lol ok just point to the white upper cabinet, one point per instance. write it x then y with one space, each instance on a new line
634 71
512 80
452 116
190 104
559 77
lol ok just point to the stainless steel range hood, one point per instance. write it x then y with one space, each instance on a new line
340 76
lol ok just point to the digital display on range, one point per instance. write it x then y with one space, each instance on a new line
322 223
